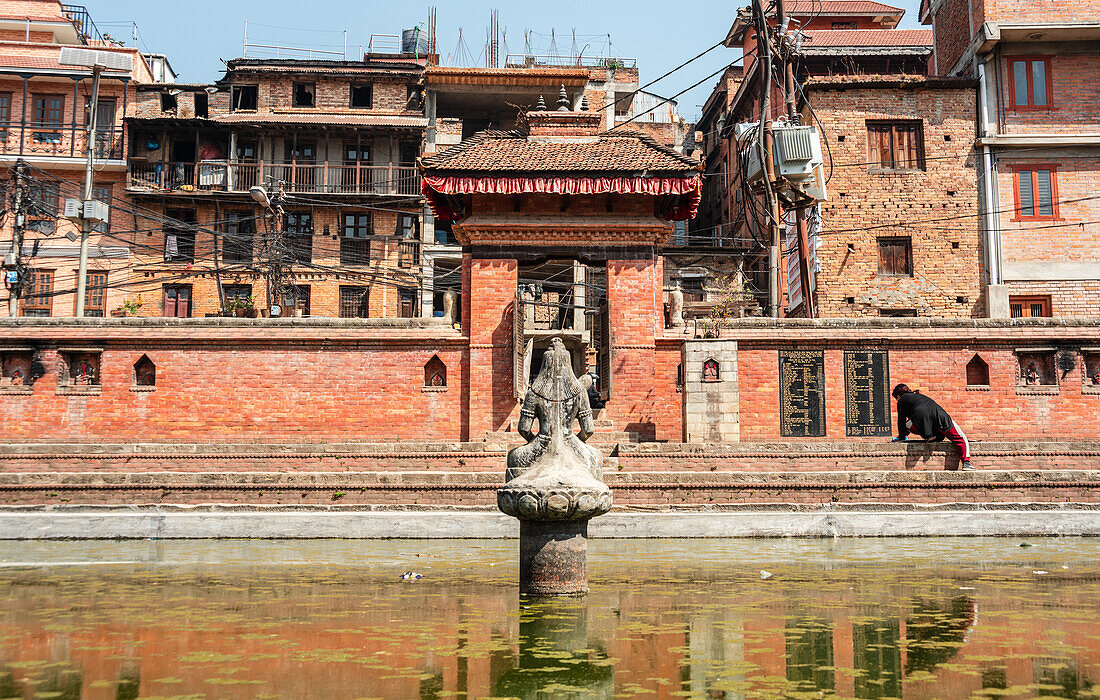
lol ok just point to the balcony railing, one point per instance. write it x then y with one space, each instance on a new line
301 178
82 20
64 140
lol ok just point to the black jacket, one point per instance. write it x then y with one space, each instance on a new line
929 419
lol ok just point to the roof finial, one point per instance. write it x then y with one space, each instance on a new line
541 106
563 99
584 103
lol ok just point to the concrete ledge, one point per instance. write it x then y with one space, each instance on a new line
167 522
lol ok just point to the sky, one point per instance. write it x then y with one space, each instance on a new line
198 34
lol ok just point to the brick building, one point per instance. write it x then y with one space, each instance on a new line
340 138
43 121
1038 144
897 234
460 101
559 199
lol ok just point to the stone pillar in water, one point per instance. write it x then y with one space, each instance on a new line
554 482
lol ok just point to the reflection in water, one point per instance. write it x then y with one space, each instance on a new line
907 619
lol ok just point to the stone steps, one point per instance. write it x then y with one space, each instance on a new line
482 457
465 488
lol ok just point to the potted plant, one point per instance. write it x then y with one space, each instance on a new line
130 306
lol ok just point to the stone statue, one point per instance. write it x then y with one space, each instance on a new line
450 307
553 482
676 307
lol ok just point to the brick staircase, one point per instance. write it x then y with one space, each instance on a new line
642 475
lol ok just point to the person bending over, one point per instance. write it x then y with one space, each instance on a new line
921 415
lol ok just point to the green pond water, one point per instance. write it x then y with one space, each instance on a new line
911 618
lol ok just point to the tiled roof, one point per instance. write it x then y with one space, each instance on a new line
848 7
325 119
869 37
495 151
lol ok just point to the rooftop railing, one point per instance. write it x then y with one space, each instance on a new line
514 60
82 20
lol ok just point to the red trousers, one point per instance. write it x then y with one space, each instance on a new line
957 438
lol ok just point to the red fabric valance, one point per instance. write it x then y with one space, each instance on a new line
432 185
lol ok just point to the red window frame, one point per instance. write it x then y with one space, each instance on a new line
1032 170
1030 106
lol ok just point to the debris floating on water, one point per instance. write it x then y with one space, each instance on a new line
1040 572
765 575
411 576
1026 544
966 588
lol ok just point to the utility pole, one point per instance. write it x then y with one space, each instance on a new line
85 224
799 213
19 220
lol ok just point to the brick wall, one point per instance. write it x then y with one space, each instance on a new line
1074 68
866 203
933 359
242 382
1072 236
951 34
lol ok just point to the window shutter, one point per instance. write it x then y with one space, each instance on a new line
1027 193
183 302
1044 195
1016 310
874 147
605 351
901 147
169 301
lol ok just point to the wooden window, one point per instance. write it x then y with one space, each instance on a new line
407 303
237 239
297 296
355 241
45 207
304 95
177 301
299 230
49 111
237 295
895 145
103 193
1029 306
244 97
179 238
362 96
95 294
1029 82
895 256
38 293
354 302
1036 192
5 111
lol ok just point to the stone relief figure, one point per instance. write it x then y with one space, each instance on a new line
555 475
676 306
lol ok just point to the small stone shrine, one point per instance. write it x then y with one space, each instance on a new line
554 482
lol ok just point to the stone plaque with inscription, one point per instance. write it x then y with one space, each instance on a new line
867 406
802 393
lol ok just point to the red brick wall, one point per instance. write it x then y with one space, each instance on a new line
489 292
1074 69
866 203
1003 411
221 381
951 35
325 383
1072 236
